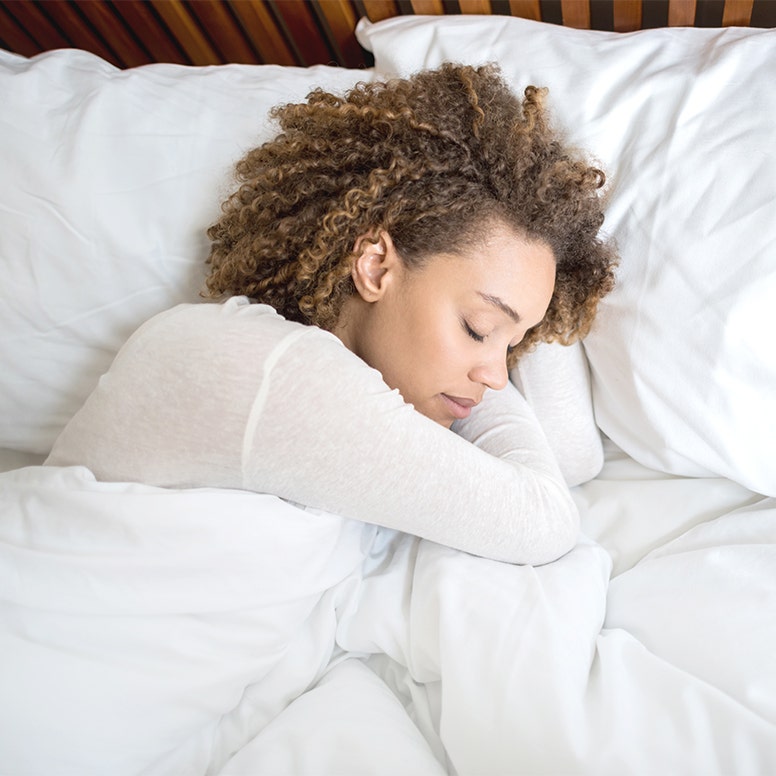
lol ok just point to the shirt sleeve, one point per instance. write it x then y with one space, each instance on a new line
327 432
555 380
231 395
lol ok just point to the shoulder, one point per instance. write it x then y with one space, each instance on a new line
234 329
236 314
238 334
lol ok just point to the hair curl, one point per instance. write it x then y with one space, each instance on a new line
434 160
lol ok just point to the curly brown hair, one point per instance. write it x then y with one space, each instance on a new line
433 160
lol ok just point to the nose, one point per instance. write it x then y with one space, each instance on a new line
492 373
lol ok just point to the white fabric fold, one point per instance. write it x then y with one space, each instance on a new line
202 631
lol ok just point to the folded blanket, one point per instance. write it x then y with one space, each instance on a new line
137 617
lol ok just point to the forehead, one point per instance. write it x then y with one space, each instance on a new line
504 270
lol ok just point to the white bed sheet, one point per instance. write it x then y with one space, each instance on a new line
163 632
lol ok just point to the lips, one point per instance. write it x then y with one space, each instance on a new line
460 407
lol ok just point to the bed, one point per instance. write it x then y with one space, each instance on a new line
206 631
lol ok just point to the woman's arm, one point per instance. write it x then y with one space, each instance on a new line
231 395
555 380
331 434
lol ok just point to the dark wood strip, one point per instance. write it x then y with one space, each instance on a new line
654 13
302 32
265 35
500 7
764 14
14 37
183 25
67 17
111 27
30 17
708 13
337 19
551 11
140 17
602 15
222 31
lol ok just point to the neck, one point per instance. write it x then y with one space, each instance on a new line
347 325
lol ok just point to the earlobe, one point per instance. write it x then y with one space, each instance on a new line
374 265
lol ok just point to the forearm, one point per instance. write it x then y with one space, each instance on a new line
341 440
555 381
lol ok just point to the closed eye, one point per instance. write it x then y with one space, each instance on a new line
473 334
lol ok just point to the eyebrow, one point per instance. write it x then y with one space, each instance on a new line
502 305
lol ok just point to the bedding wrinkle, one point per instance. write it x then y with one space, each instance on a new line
664 709
51 208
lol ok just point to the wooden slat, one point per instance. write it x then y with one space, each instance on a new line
110 27
764 14
188 35
476 6
428 7
302 33
265 35
526 9
37 24
602 15
339 20
66 17
737 13
627 15
377 10
654 13
15 38
681 13
149 28
576 13
223 32
709 13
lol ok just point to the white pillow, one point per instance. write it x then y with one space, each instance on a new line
109 181
684 121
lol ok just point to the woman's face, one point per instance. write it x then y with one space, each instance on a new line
440 334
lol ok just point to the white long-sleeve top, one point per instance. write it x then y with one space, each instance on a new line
233 395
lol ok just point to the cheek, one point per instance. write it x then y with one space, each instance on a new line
440 352
423 352
416 359
400 351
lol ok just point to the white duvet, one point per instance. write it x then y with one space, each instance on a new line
149 631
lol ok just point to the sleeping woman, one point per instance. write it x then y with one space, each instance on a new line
383 263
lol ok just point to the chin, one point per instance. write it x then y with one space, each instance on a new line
445 423
443 420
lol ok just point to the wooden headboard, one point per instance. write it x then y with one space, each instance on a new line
309 32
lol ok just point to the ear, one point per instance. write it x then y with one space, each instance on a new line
376 265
